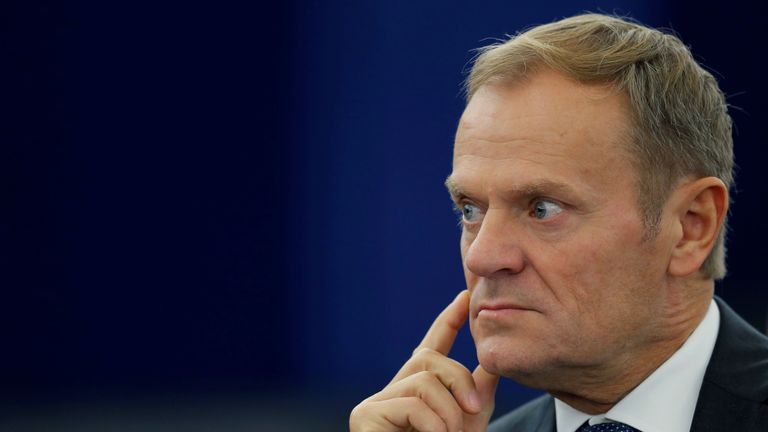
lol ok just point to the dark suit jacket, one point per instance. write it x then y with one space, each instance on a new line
733 396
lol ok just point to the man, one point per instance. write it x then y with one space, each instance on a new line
591 168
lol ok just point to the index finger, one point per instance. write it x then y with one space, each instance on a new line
443 331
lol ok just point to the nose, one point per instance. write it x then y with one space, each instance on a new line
495 250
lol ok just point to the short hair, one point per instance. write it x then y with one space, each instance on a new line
679 122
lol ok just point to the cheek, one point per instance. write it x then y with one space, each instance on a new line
471 280
601 278
469 277
566 270
585 274
464 242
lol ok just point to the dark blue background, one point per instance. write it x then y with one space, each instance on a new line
244 202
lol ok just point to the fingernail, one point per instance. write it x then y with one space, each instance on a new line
474 400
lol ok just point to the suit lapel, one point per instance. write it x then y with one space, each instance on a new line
537 415
734 392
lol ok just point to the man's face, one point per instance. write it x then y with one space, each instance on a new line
561 278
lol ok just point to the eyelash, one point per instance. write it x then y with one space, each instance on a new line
459 213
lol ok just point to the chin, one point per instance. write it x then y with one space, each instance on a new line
501 357
514 361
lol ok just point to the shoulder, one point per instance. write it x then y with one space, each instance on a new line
536 415
734 392
739 361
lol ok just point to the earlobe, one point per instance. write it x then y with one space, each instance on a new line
702 206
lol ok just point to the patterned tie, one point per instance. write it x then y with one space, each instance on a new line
606 427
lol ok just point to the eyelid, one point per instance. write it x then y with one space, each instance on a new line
561 207
463 199
460 198
477 205
548 199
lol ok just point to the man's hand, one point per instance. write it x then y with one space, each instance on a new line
432 392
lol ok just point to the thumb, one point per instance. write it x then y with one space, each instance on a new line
486 384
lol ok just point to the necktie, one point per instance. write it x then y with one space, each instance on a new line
606 427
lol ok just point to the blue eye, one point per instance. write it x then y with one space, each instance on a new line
469 212
543 209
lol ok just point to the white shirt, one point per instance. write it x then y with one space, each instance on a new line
666 400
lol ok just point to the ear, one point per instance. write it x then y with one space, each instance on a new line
700 208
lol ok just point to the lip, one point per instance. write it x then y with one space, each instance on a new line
499 310
500 306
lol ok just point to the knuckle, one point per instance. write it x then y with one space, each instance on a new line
422 351
427 358
361 409
441 418
427 376
414 400
357 416
417 403
460 375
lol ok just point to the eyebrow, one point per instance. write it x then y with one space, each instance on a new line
531 189
452 187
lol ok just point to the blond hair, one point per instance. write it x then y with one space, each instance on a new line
680 122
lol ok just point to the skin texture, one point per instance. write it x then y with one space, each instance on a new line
566 291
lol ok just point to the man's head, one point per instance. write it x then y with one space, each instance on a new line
591 166
679 120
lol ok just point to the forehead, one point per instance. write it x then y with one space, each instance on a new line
547 125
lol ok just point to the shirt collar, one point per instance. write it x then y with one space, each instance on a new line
666 400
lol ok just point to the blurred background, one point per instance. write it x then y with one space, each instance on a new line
230 216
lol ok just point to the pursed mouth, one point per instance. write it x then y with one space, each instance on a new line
496 309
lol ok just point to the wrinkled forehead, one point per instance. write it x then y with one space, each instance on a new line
549 108
549 127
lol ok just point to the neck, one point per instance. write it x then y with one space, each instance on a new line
602 388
